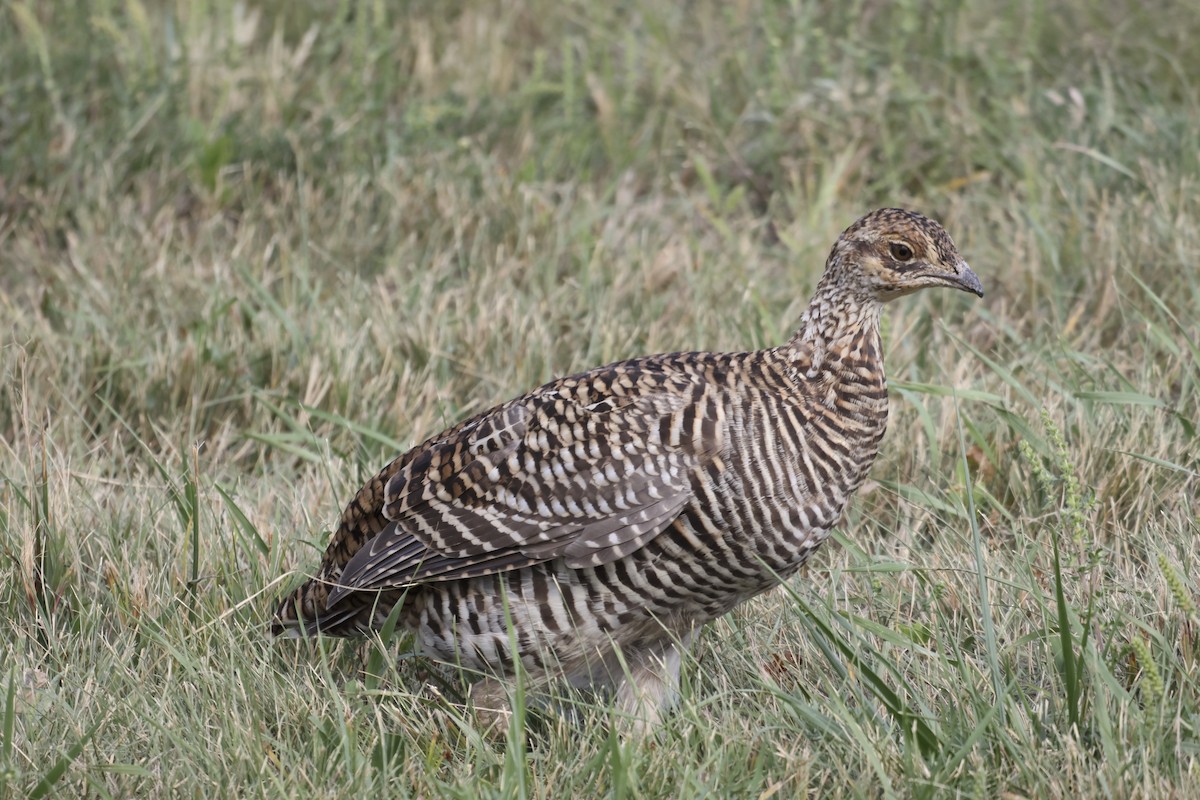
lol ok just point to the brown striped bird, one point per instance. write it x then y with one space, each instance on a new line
588 528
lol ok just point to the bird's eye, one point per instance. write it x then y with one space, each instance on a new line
901 251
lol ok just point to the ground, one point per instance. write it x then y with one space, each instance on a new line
251 250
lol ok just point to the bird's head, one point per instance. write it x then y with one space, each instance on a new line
892 252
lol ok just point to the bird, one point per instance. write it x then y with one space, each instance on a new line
585 531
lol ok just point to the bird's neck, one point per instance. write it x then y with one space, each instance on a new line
838 332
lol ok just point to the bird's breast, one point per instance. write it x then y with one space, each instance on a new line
796 460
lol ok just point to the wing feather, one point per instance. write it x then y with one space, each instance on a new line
587 469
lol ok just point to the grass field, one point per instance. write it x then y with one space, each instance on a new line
251 250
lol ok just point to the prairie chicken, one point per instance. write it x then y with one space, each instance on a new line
588 528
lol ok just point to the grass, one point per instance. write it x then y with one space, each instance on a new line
249 251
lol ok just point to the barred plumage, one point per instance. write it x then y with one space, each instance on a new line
627 505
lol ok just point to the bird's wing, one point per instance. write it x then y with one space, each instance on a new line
587 469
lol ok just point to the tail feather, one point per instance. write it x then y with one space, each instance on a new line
306 612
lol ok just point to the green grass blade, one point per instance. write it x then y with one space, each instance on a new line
981 574
10 716
244 526
1121 398
912 724
1070 670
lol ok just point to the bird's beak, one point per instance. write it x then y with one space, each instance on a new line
966 280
